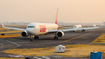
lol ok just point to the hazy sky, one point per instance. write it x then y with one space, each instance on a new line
88 11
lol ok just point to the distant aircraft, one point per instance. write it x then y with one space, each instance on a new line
94 25
34 30
103 22
78 26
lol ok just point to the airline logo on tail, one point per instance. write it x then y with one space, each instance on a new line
56 16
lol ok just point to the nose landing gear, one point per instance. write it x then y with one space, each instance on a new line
33 38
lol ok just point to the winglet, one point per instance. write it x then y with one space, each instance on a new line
56 16
3 24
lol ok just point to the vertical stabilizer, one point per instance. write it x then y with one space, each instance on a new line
3 24
56 16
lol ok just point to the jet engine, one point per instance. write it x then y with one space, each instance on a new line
24 34
60 34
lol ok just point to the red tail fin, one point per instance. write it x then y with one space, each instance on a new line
56 16
3 24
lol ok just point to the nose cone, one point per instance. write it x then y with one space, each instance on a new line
31 28
30 31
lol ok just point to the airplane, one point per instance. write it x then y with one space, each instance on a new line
94 25
34 30
77 26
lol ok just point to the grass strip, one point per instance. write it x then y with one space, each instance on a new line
10 58
10 32
78 50
10 35
100 39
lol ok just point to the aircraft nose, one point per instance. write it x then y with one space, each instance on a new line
30 31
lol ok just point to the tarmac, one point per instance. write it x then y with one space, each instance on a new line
70 38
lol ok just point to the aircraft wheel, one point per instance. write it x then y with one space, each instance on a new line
55 37
83 30
36 37
31 40
73 31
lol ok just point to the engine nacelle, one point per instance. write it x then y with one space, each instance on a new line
24 34
60 34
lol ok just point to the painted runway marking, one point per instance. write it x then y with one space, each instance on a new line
1 45
13 43
17 45
75 37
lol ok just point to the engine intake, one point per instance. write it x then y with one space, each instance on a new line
60 34
24 34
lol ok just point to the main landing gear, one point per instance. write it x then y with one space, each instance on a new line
36 37
33 38
83 30
55 36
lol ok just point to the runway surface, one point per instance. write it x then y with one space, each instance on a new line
70 38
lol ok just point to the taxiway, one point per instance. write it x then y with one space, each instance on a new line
70 38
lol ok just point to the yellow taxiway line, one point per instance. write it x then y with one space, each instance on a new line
75 37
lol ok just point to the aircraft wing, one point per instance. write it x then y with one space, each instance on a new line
72 29
15 28
12 28
65 27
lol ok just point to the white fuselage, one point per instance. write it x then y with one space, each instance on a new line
94 25
77 26
40 28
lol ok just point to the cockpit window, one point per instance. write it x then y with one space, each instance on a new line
31 26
